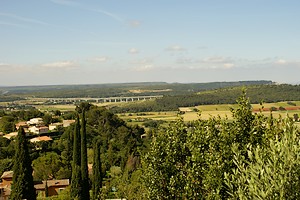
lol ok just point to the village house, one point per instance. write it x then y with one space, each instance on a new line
38 129
5 185
35 121
40 139
67 123
23 124
54 186
11 135
55 126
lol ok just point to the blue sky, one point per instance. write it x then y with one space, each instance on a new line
53 42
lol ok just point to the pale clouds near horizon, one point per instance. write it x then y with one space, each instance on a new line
147 70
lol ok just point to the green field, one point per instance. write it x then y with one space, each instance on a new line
205 112
188 113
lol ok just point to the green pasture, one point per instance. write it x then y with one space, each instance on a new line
205 112
188 114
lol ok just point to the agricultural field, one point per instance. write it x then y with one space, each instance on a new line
187 113
207 111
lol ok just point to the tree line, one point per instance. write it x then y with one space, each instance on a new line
257 94
119 89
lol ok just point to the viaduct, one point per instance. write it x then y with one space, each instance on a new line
104 100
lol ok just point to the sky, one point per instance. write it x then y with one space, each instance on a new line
53 42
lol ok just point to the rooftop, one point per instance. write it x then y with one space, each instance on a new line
7 174
51 183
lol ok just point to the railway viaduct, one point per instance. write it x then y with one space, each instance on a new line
104 100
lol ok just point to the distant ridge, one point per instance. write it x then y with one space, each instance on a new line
122 89
132 83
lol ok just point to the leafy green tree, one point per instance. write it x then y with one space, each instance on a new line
47 119
118 140
189 161
271 171
65 146
23 186
7 124
57 113
130 185
54 165
6 165
6 148
165 173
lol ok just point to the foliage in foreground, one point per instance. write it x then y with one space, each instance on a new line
272 171
251 157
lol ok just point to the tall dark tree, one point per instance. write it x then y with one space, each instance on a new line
23 186
97 173
84 163
76 182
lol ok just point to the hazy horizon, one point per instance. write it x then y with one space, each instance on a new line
157 82
66 42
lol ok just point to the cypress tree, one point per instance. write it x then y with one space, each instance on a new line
97 173
76 186
23 186
84 163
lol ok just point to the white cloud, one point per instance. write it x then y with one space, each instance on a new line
3 64
281 62
99 59
175 48
217 59
143 68
135 23
5 67
228 65
215 62
13 68
60 65
145 61
133 51
185 61
287 63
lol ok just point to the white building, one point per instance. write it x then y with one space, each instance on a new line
35 121
38 129
55 126
67 123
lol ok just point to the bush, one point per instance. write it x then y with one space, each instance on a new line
281 108
291 103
